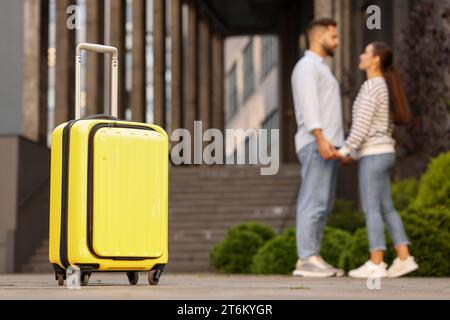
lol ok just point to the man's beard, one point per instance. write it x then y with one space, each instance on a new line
328 50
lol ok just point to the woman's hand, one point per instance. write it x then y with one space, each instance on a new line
345 161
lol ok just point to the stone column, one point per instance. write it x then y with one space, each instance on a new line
34 103
117 39
159 62
288 53
139 87
343 60
65 65
217 70
191 68
95 75
177 64
204 69
323 8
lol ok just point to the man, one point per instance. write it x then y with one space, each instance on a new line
318 112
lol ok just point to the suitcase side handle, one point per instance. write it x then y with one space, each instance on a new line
114 74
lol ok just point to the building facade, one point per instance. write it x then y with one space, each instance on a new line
251 87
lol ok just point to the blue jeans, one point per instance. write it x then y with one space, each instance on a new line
376 198
315 199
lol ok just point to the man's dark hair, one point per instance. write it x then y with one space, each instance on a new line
322 22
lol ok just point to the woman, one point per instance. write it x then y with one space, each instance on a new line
381 103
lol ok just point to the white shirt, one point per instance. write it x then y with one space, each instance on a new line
317 101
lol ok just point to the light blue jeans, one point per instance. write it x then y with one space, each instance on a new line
315 199
376 198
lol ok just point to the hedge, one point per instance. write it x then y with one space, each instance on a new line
234 254
404 193
265 232
277 256
429 233
434 189
345 216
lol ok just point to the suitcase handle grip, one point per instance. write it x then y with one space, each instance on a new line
101 116
114 74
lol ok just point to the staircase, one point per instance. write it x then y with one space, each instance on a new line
205 201
38 263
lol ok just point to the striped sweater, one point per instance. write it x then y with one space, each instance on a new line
371 131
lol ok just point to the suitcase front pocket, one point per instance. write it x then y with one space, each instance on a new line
125 191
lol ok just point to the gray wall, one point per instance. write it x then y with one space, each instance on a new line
11 83
11 66
8 200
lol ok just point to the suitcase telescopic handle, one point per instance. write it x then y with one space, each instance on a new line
114 74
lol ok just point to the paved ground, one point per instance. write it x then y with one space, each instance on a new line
211 286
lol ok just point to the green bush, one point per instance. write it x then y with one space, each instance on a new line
234 254
438 218
265 232
277 256
335 241
434 189
404 193
345 216
428 231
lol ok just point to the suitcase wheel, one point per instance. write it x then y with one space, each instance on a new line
153 276
60 278
133 277
84 278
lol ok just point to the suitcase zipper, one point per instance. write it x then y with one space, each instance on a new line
63 252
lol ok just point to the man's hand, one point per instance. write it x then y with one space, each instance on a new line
325 147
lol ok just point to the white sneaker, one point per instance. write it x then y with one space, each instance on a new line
337 272
401 267
312 268
369 269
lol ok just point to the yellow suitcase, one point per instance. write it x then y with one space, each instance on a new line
108 193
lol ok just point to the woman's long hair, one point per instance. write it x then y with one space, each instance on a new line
398 103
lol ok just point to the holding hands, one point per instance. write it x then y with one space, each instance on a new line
327 150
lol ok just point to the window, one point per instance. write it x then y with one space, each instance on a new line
269 54
232 92
271 122
251 149
248 69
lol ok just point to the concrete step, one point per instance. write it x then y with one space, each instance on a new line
225 188
214 226
231 208
227 202
273 194
241 211
202 181
42 250
179 171
38 269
